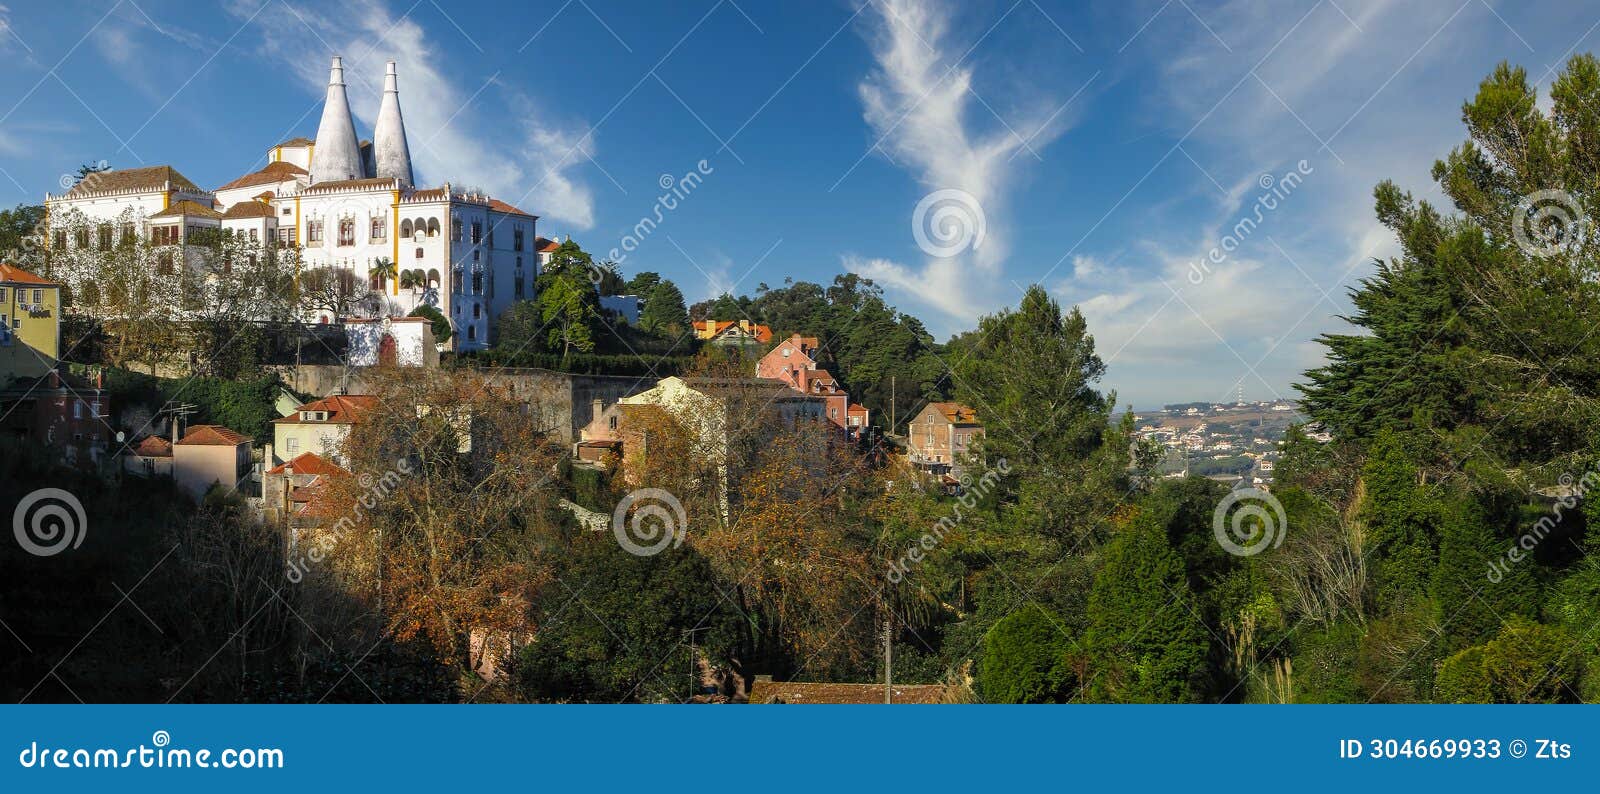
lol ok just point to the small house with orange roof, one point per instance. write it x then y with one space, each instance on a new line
296 491
151 457
209 455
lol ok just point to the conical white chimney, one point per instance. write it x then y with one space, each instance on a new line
338 154
390 152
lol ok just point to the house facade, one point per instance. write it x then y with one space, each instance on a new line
391 342
210 455
30 325
319 426
940 435
795 362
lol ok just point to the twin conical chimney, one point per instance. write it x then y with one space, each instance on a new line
391 155
338 155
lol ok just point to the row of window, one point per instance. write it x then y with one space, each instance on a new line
379 231
408 230
22 296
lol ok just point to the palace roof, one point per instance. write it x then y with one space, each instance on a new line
248 209
187 208
153 177
281 171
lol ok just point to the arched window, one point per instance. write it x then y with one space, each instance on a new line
433 227
420 225
347 232
433 278
405 228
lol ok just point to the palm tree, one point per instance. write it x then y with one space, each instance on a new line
413 280
383 270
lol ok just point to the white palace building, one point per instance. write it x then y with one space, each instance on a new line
347 203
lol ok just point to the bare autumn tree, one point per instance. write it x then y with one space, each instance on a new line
777 506
330 289
450 512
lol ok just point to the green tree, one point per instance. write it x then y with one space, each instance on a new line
568 312
1471 604
1526 662
1027 658
642 283
1484 318
1147 643
1403 520
441 325
630 640
664 313
1030 374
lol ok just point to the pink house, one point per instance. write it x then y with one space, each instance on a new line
210 455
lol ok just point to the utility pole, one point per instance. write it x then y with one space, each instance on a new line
891 405
888 659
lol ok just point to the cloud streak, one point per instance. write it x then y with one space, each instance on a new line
919 102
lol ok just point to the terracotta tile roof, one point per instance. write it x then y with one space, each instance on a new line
956 413
154 447
280 171
212 436
545 245
343 409
152 177
860 694
311 463
856 409
815 381
294 142
711 329
500 206
11 274
339 184
187 208
249 209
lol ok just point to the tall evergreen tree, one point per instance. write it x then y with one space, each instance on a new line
1146 640
664 313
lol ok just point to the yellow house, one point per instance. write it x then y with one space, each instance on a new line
30 325
319 426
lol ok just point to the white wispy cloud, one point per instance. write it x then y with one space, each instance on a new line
919 101
446 115
1363 78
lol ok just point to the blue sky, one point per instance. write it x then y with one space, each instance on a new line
1110 146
